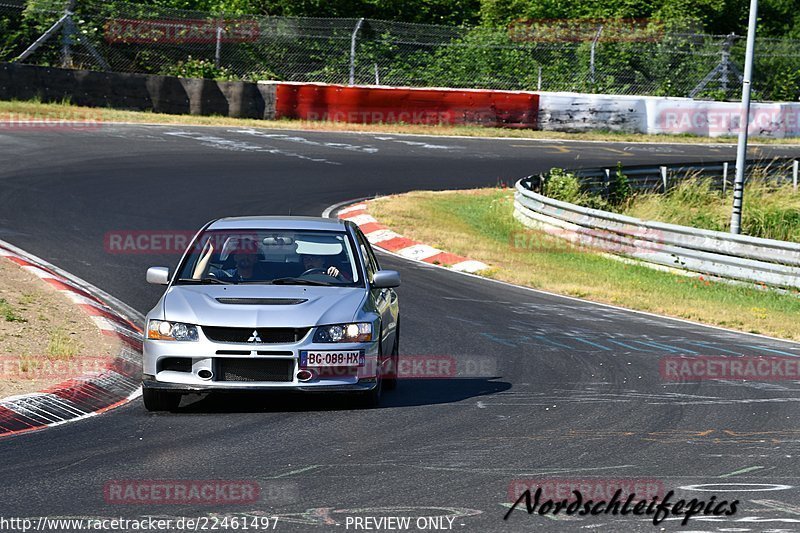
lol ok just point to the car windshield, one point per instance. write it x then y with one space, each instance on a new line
264 257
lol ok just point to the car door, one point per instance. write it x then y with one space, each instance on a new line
384 300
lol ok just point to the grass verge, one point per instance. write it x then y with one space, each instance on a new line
479 224
769 212
21 111
45 338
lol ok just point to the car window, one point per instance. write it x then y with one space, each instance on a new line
373 258
369 258
271 257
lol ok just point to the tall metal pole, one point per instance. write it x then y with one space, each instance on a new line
591 55
744 120
353 51
218 49
67 33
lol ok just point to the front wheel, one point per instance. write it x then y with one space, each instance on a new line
371 398
158 400
390 383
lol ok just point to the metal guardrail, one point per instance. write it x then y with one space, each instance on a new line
660 178
713 253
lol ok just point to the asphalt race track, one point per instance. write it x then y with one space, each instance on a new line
576 395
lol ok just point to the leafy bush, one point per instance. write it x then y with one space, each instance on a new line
559 184
619 190
199 68
562 185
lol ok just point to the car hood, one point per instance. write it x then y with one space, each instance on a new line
199 304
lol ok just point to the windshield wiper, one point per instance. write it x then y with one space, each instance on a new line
298 281
206 280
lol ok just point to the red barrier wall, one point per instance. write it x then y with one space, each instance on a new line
368 105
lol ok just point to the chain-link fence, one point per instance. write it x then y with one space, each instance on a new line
601 58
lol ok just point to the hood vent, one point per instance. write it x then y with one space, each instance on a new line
262 301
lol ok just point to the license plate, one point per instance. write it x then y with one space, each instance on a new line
338 358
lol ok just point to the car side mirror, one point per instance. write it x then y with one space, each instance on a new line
386 279
158 275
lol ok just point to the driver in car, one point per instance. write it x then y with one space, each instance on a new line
317 263
247 265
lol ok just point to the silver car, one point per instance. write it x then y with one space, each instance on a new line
273 303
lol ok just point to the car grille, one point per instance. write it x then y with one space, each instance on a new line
267 335
254 369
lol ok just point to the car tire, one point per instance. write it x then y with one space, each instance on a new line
157 400
371 398
390 383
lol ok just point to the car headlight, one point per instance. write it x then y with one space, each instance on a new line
161 330
358 332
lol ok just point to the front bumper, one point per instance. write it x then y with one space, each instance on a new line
204 356
361 386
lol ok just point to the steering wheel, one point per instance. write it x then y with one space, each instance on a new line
314 271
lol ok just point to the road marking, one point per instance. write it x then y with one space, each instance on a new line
545 339
303 140
771 350
293 472
558 149
498 340
655 345
742 471
778 506
674 348
221 143
425 145
581 339
615 151
712 346
736 487
625 345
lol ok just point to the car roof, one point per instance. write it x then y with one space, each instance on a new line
278 222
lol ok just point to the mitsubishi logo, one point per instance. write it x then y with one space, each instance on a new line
254 337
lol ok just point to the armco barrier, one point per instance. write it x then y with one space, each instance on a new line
342 103
659 178
714 253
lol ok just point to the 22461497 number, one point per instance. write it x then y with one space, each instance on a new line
227 523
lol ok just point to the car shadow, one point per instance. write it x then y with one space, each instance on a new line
409 393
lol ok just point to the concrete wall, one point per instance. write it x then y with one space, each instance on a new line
314 101
661 115
585 112
409 105
139 92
